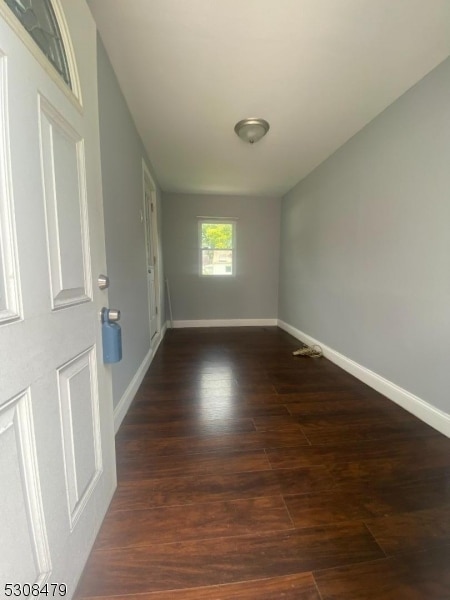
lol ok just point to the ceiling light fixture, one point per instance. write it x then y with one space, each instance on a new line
251 130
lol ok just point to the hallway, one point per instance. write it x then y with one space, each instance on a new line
247 473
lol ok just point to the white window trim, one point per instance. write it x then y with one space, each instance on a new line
219 220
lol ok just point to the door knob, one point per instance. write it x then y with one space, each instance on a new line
112 315
103 281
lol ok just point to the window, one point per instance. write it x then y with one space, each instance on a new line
217 247
38 18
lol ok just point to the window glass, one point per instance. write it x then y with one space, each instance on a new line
217 248
38 18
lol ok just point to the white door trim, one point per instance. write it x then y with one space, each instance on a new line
147 177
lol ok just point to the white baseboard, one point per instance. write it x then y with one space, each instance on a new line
413 404
128 396
227 323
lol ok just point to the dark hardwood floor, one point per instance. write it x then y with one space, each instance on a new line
247 473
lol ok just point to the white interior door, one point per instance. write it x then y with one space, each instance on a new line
57 463
151 236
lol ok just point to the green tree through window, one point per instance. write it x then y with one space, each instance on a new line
217 236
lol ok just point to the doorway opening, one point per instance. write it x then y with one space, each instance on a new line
152 255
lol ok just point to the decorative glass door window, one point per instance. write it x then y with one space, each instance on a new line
39 19
217 247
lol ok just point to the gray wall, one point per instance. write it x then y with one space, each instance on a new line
365 250
121 156
253 292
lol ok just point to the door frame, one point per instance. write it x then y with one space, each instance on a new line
148 183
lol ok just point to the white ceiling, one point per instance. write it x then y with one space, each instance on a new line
317 70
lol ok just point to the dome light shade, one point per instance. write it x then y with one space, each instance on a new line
251 130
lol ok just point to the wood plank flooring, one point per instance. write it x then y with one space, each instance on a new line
247 473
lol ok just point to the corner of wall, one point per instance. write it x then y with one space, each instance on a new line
424 411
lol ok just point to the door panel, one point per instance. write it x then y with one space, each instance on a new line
78 399
23 532
57 461
9 289
63 167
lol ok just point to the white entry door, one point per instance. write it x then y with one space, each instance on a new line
57 463
151 236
